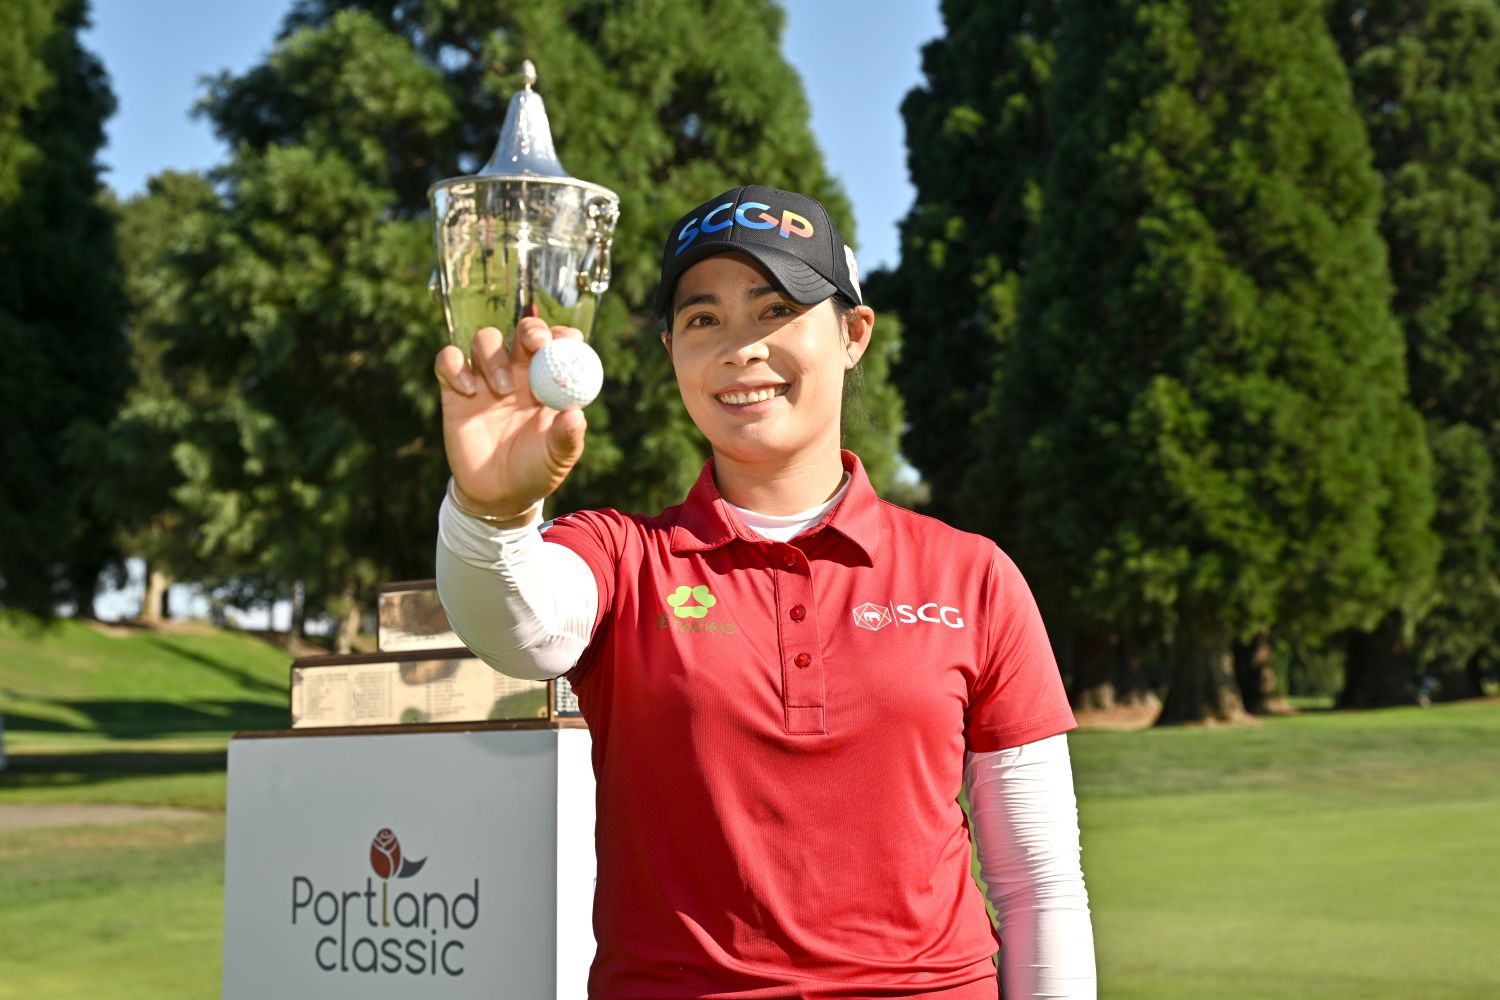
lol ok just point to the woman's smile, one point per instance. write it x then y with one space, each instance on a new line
751 399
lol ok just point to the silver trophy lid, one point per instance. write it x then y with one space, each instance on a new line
525 148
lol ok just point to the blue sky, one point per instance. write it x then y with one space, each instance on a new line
857 61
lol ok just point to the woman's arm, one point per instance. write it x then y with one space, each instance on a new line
1025 821
523 606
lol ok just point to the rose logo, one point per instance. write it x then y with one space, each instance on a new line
385 854
385 857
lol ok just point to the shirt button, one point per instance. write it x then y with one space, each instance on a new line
798 613
789 560
802 660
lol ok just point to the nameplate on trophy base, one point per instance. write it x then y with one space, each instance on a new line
418 688
410 616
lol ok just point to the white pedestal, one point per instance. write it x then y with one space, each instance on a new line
492 893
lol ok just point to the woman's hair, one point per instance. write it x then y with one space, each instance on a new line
854 379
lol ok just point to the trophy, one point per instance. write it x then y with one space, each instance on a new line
521 234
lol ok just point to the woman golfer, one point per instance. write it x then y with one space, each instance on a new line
787 680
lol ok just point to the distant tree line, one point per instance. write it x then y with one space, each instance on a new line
1205 294
1211 337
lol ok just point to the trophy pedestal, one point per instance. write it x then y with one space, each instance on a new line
446 859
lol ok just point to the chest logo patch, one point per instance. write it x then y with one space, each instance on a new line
691 602
690 607
872 616
877 616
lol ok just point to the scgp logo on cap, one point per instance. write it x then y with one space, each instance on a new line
790 223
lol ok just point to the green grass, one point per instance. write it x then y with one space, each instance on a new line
75 678
1325 855
130 912
131 715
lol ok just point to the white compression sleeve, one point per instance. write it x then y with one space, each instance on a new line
523 606
1025 821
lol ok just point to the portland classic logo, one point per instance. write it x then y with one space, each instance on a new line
362 930
385 857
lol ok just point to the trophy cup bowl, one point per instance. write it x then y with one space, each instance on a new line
520 233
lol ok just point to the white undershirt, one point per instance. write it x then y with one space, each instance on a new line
527 609
785 527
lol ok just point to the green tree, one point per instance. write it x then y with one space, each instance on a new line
977 138
1426 79
60 309
1206 391
321 460
136 449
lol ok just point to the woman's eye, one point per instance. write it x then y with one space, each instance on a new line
780 309
701 320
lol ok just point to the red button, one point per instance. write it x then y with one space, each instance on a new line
789 560
798 613
802 660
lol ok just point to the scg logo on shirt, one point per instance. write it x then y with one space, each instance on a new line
877 616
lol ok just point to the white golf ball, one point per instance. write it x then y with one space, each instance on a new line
566 374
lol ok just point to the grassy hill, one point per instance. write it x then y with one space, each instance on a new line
118 714
128 683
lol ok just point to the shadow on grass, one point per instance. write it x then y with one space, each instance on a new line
24 769
226 668
89 770
144 719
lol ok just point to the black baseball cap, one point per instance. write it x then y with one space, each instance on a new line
788 234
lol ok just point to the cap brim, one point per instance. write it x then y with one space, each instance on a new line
792 274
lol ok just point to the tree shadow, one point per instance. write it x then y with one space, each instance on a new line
224 668
146 719
81 770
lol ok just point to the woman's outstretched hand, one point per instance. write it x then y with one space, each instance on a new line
506 451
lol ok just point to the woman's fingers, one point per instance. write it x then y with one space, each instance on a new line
565 438
493 360
453 372
503 370
531 335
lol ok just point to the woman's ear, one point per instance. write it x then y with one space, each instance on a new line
858 327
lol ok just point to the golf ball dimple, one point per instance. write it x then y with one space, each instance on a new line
566 374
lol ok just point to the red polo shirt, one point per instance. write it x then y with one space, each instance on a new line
779 732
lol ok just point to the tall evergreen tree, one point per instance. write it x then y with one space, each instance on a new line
1426 78
322 461
1207 389
977 138
60 308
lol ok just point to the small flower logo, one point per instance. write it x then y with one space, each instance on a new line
682 609
386 860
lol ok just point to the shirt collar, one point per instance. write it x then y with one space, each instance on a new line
705 520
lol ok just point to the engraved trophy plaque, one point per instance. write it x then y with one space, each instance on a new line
521 232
